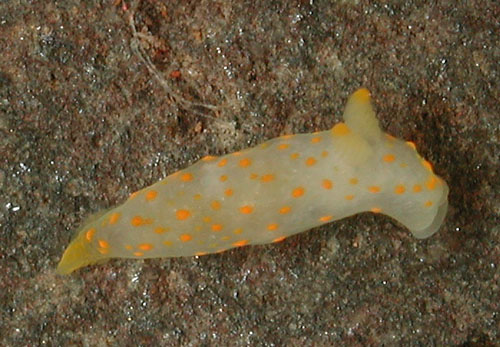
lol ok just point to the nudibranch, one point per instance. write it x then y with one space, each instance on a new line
266 193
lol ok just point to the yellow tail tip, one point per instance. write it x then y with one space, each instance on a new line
77 255
362 95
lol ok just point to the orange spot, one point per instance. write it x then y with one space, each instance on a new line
138 254
285 209
324 154
374 189
197 196
208 158
376 210
431 183
103 244
279 239
427 165
89 235
294 155
215 205
283 146
114 218
273 226
428 203
286 137
340 129
298 192
245 162
187 177
133 195
353 180
182 214
316 139
400 189
138 221
240 243
222 163
223 178
185 237
160 230
237 154
151 195
417 188
216 227
103 250
129 247
267 178
238 231
207 219
310 161
327 184
228 192
349 197
411 144
390 137
389 158
247 209
167 243
325 219
199 254
145 246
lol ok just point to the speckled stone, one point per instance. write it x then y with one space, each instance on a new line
84 122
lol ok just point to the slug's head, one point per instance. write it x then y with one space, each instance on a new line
405 186
418 197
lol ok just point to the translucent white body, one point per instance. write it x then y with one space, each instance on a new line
263 194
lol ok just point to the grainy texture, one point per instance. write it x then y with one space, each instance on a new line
84 123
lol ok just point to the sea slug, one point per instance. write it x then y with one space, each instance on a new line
266 193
